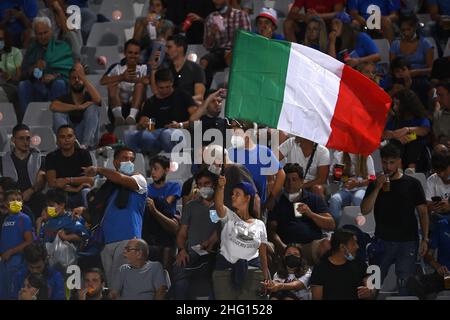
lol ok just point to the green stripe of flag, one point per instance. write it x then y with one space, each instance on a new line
257 79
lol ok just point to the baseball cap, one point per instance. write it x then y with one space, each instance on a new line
270 14
246 187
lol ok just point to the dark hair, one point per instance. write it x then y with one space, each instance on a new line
58 196
131 42
118 151
163 2
444 84
35 252
163 75
294 168
440 161
180 41
340 236
98 271
160 159
20 127
399 63
7 183
8 42
205 173
39 281
410 19
12 191
300 270
348 38
409 106
64 126
390 150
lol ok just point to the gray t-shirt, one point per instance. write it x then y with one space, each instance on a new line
140 284
196 216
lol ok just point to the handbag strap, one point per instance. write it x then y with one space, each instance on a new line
310 159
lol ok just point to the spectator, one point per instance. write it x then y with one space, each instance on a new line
10 70
124 210
395 218
408 129
350 46
64 168
291 281
196 230
80 108
312 157
243 245
258 159
302 223
267 23
316 35
94 283
220 27
294 25
340 276
438 191
25 165
369 69
440 12
56 12
36 260
441 118
389 14
57 221
188 76
45 67
315 250
35 288
160 225
16 234
440 69
170 110
17 17
356 175
413 47
126 81
139 279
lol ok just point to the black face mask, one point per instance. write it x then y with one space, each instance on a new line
293 261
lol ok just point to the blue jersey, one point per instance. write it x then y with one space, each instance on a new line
13 229
65 222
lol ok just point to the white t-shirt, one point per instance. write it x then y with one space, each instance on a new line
303 294
294 154
338 159
126 88
239 239
141 182
437 188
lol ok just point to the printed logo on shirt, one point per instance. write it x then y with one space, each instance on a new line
9 224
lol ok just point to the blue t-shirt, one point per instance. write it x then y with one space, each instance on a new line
13 229
364 46
440 240
393 125
28 7
170 188
55 282
386 6
444 6
261 162
80 3
65 222
418 59
126 223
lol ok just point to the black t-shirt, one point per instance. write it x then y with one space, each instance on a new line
77 115
297 230
339 282
68 166
23 179
190 74
395 210
173 108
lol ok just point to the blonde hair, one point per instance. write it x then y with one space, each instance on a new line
323 36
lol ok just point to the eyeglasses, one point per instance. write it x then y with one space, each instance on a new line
128 249
24 138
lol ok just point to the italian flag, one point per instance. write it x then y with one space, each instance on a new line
306 93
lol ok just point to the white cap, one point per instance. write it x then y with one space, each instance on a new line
270 14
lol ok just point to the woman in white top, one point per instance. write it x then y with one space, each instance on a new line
291 281
243 245
357 172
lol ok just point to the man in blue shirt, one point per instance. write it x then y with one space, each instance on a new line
122 220
17 16
36 256
388 9
299 216
16 234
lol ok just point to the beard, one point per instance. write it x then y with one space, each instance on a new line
77 88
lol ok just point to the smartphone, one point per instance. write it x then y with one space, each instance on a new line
436 199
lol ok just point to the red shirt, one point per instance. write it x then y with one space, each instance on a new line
321 6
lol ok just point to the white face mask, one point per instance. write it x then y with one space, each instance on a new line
206 192
237 142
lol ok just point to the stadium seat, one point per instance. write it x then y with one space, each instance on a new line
8 118
282 7
349 215
447 49
384 47
5 144
220 79
445 293
377 161
402 298
389 284
442 298
111 53
38 114
433 43
119 132
198 49
423 180
108 33
139 164
43 139
127 10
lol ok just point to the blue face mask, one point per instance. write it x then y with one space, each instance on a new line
213 216
348 255
37 73
127 168
2 45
